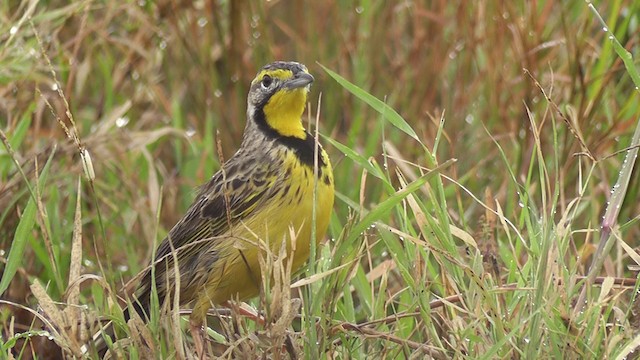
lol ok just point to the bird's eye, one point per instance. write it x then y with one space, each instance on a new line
266 81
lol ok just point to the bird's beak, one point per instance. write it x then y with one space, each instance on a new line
302 79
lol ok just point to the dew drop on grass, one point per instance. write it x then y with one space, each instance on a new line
359 9
202 22
469 119
190 131
217 93
255 20
122 121
123 268
87 263
13 30
2 252
135 75
605 29
521 204
256 34
163 45
527 340
54 87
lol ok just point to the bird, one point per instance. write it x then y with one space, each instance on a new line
268 188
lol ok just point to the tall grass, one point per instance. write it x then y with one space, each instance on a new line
474 146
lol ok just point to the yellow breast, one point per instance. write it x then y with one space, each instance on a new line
237 273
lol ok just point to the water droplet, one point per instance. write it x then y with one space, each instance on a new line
256 34
521 204
2 252
360 9
202 22
122 121
255 20
88 262
54 87
604 28
190 131
123 268
469 119
217 93
163 45
13 30
527 340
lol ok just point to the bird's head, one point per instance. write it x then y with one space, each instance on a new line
278 96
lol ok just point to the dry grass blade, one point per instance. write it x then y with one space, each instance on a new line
568 122
75 266
57 318
379 335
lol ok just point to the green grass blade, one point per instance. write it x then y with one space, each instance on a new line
392 201
20 239
22 234
385 110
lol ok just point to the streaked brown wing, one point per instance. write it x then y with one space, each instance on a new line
210 216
